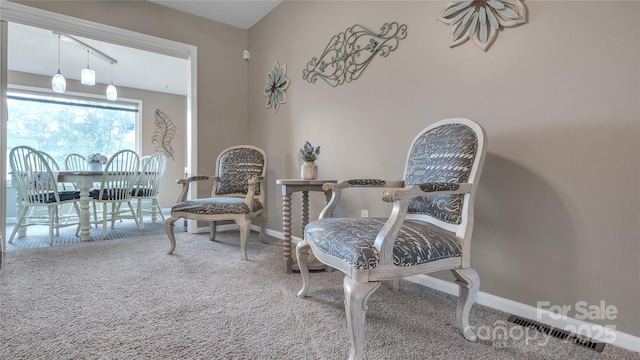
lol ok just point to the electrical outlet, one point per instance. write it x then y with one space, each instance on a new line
364 213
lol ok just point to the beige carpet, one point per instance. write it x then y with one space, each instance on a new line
127 299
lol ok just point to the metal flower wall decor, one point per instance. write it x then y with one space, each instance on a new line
350 52
480 20
277 83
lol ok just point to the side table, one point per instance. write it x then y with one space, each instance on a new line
290 186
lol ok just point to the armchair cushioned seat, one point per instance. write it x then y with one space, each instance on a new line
213 206
417 242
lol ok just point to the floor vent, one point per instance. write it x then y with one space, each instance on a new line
558 333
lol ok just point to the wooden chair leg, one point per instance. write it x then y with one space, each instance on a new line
244 234
393 284
139 214
356 295
212 230
168 228
56 220
155 202
469 283
134 214
21 218
263 225
302 256
52 215
95 214
104 220
115 210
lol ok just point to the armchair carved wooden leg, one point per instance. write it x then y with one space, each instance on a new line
244 234
356 295
212 230
469 283
393 284
302 255
263 225
168 228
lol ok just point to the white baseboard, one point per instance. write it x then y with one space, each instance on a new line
597 332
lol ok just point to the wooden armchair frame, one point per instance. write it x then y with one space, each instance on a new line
238 206
362 280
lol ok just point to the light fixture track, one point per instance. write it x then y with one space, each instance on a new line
87 47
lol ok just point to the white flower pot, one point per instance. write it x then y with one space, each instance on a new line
309 170
95 166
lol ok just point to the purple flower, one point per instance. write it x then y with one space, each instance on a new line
309 153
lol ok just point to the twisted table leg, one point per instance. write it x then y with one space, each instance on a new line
286 228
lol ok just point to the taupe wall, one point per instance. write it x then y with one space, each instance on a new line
222 73
558 207
558 210
174 106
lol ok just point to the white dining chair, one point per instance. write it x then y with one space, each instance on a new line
120 175
147 189
38 189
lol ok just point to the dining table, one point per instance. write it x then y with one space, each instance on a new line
84 181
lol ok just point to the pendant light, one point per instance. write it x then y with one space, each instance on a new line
58 82
88 76
112 92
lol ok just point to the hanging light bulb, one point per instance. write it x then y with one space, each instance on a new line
58 82
112 92
88 76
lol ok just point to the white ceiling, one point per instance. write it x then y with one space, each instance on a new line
35 50
240 13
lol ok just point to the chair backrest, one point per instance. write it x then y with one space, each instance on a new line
36 182
235 166
53 164
151 176
450 150
75 162
120 174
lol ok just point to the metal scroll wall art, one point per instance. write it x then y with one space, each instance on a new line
480 20
349 53
164 133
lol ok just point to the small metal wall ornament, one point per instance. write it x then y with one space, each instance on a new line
349 53
480 20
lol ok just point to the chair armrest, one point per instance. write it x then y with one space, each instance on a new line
251 191
400 197
371 183
336 190
187 182
433 188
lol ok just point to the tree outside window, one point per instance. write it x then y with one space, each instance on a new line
61 126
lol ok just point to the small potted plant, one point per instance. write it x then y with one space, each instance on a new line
95 161
309 154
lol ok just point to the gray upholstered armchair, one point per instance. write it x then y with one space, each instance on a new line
238 194
429 228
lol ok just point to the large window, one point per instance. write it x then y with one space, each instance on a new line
63 125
